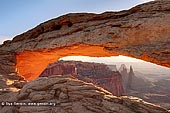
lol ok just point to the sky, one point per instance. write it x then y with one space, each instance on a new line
137 64
18 16
108 60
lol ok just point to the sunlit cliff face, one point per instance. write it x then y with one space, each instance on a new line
31 64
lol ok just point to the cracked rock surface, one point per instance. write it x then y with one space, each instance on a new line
71 95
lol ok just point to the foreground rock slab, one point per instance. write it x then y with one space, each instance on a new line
69 95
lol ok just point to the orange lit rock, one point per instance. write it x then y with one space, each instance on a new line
141 32
31 64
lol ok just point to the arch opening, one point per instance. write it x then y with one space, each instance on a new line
30 64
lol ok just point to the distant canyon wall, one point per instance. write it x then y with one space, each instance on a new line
99 74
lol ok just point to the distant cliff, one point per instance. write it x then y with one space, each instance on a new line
132 83
97 73
151 90
127 77
60 68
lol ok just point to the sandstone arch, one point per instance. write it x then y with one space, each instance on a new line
142 32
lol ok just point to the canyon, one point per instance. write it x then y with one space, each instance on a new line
141 32
119 82
151 89
99 74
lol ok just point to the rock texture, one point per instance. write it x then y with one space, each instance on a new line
10 82
97 73
7 61
70 95
141 32
60 68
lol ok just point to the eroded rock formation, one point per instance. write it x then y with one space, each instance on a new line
97 73
10 82
141 32
60 68
152 90
130 78
72 95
